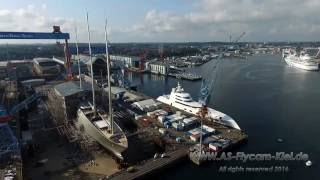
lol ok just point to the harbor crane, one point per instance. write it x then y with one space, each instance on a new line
161 52
207 87
56 34
120 77
239 37
204 94
143 57
236 39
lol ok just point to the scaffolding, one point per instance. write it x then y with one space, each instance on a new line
9 145
64 122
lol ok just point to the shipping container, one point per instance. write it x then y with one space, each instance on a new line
161 119
195 137
177 126
162 131
150 113
209 129
214 146
224 142
178 139
189 121
137 117
194 131
167 124
162 112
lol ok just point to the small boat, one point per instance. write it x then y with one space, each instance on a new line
308 163
280 140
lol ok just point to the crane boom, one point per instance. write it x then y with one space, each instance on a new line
238 39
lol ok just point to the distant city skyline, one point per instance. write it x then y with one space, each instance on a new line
167 20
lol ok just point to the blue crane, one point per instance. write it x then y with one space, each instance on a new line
120 78
204 94
207 87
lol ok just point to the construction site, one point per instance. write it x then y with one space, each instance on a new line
60 124
53 147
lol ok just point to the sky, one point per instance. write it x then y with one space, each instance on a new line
166 20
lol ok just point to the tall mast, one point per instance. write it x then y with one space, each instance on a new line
108 72
201 138
91 67
78 57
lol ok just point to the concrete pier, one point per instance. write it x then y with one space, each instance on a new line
152 165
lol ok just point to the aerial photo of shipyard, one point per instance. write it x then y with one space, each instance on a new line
159 89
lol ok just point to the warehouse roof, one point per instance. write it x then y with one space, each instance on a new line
146 104
72 87
115 90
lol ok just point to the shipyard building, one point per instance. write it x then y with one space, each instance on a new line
64 100
159 68
99 64
46 67
127 61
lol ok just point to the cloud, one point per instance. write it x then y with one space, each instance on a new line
44 6
274 20
34 19
4 12
207 20
5 16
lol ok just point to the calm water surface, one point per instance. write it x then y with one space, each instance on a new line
269 100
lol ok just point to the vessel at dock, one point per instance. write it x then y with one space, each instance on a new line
182 100
136 70
187 76
99 128
96 122
302 60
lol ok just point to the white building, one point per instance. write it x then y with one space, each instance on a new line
159 68
128 61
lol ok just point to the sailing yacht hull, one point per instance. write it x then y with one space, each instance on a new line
96 134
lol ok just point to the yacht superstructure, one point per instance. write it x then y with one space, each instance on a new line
182 100
302 60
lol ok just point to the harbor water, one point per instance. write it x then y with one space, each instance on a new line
269 100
